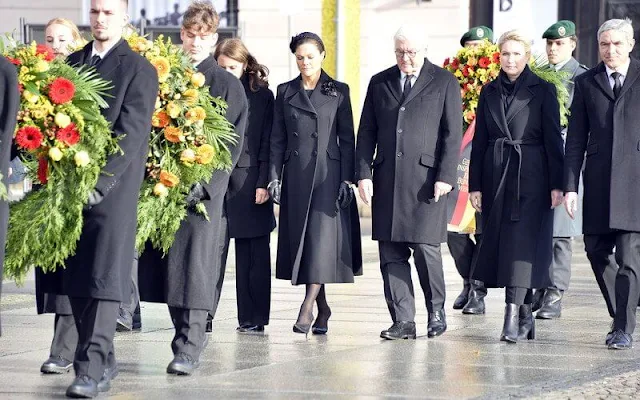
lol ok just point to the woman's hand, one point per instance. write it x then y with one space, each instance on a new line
476 200
262 195
556 198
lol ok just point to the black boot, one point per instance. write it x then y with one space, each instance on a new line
526 323
510 328
551 304
463 297
538 295
477 293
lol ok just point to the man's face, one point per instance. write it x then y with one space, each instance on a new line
197 43
473 43
409 58
107 18
559 50
614 48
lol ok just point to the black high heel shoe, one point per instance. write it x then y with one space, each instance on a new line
526 323
322 327
510 327
303 328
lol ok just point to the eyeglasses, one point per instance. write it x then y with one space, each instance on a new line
410 53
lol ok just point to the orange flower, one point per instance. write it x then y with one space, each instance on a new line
196 114
160 119
168 179
173 134
163 67
205 154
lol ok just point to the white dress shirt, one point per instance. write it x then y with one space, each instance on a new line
102 54
623 69
403 78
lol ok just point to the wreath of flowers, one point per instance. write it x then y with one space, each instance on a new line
64 141
189 141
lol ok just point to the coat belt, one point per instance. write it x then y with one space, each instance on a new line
498 159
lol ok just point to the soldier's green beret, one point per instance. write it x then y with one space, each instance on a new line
560 29
477 33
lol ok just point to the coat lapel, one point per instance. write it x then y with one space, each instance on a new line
522 97
602 80
206 64
297 97
426 76
632 76
112 60
393 83
318 99
494 102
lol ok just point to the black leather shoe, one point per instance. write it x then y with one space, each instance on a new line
182 364
538 295
400 330
107 376
551 304
209 327
610 334
463 297
475 305
526 323
620 341
511 324
250 329
437 323
56 365
83 387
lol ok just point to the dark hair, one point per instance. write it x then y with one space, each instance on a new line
235 49
306 37
201 16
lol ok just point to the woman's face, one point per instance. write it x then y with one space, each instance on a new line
309 59
236 68
60 38
513 58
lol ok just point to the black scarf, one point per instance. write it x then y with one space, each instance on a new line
509 89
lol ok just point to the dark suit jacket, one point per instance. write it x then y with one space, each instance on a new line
607 129
101 267
416 143
9 105
187 275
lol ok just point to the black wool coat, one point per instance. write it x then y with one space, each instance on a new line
416 143
101 267
516 160
186 276
9 105
312 152
247 219
607 130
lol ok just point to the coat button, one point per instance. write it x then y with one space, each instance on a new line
399 131
295 134
314 135
315 152
399 154
295 153
401 108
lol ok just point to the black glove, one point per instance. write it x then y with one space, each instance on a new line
95 197
345 195
196 194
274 190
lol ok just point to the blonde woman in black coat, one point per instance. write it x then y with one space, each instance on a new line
311 168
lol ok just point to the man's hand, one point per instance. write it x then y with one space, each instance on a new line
571 203
345 195
365 190
274 190
196 194
440 189
476 200
556 198
262 195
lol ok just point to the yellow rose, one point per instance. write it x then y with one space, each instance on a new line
30 97
196 114
174 109
158 103
205 154
197 79
160 190
42 66
55 154
62 120
191 96
82 158
39 113
188 156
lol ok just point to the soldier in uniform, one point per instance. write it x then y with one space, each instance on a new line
561 42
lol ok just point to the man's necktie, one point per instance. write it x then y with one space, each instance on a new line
95 60
407 86
617 86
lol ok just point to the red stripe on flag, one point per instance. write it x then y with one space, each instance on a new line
461 206
468 136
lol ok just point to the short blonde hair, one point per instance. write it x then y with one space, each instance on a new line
516 36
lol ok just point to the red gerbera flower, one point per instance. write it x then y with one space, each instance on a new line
465 71
68 135
45 50
14 61
61 90
43 170
29 137
496 57
484 62
455 63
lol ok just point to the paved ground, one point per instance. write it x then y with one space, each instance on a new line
568 359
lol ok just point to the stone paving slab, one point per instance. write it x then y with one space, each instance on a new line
567 360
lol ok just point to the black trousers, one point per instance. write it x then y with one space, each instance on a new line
96 324
560 270
396 274
65 337
462 249
619 276
518 295
223 248
133 302
253 279
190 331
